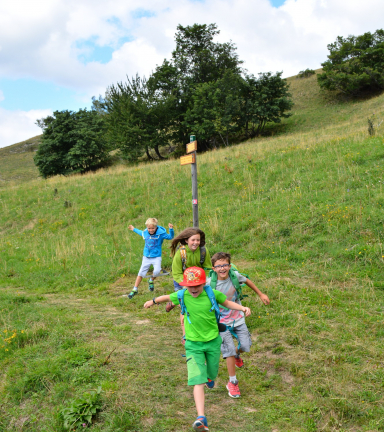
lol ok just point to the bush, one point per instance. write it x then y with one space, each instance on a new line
306 73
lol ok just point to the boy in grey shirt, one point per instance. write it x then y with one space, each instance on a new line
234 319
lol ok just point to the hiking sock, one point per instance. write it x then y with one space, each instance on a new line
135 289
232 379
150 280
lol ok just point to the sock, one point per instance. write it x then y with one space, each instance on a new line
232 379
150 280
134 289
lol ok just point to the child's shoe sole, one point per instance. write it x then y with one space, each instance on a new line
199 426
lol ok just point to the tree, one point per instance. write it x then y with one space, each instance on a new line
216 109
355 64
196 60
137 118
265 99
72 142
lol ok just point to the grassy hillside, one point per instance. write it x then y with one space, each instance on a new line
302 214
16 162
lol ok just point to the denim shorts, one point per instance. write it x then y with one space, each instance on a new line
229 345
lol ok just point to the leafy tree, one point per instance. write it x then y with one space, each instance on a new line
355 64
265 99
196 60
137 118
72 142
216 109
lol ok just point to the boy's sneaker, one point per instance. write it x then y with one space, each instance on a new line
210 384
151 286
200 424
233 389
239 361
132 294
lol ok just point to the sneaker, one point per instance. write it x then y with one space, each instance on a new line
233 389
132 294
169 307
239 362
200 424
210 384
151 286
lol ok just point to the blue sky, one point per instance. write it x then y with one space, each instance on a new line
59 55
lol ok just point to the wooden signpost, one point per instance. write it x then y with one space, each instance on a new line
190 158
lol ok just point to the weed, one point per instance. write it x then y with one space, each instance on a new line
82 410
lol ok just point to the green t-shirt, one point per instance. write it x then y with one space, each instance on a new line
203 327
193 260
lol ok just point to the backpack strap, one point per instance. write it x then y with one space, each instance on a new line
180 297
213 276
215 307
183 254
203 253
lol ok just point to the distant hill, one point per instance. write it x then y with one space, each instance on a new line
16 162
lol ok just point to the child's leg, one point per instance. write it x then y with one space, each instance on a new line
138 281
231 366
199 396
156 267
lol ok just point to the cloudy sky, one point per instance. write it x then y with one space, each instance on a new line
57 54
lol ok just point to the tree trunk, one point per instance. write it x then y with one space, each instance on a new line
147 151
157 152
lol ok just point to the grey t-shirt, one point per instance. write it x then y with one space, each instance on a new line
226 287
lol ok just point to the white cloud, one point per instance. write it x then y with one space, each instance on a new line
16 126
41 42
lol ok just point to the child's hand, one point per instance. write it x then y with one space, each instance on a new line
247 311
148 304
131 227
264 298
170 226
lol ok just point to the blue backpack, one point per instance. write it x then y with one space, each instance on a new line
212 298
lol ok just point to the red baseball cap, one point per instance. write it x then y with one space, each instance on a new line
193 276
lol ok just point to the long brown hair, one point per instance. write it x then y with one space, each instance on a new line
184 236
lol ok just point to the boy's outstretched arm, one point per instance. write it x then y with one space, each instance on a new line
157 300
263 297
171 232
137 231
234 306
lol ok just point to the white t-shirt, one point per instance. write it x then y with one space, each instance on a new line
230 316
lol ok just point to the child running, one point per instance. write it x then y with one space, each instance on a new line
202 334
153 236
188 250
226 282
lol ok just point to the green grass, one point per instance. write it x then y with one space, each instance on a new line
16 163
301 212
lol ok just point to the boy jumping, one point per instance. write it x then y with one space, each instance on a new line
232 318
203 341
154 236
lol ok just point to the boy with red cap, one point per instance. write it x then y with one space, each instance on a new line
203 341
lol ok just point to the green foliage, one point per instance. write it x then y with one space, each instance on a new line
137 118
200 90
72 142
355 63
266 100
306 73
82 410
